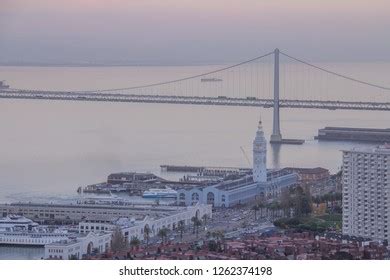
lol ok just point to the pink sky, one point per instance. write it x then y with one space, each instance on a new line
170 29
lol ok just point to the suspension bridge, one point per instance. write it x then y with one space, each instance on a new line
260 82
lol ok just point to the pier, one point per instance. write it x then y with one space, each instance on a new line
354 134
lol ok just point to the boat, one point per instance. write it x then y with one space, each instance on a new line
211 80
109 199
14 223
160 193
19 230
3 85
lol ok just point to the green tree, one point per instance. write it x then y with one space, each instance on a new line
147 232
181 228
261 206
286 202
163 234
255 208
302 202
219 235
134 242
197 223
205 217
118 241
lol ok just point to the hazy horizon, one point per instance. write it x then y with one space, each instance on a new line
179 32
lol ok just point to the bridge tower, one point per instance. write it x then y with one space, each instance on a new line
276 136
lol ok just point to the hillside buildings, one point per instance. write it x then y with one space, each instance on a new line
366 192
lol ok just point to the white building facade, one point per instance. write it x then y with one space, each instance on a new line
76 248
135 228
366 193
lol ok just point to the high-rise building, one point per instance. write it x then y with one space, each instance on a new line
259 156
366 191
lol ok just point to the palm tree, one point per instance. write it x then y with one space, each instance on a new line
255 208
134 242
197 224
261 206
205 218
274 207
193 219
147 232
181 228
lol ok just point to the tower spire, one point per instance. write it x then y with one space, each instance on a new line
260 125
259 155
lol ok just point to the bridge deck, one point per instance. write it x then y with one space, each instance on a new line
223 101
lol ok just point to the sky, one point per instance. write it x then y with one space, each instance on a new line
188 32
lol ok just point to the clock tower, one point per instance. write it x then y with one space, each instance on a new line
259 156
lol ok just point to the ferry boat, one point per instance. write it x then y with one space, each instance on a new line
109 199
3 85
160 193
211 80
14 223
18 230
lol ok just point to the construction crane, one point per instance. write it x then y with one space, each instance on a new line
246 156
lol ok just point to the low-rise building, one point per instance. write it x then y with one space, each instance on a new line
308 175
132 227
77 247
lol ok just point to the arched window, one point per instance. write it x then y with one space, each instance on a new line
210 198
195 197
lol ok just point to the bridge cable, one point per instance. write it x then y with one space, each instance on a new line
182 79
336 74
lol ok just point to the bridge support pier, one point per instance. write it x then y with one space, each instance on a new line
276 136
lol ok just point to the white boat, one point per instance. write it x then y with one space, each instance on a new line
15 223
18 230
102 199
160 193
211 80
3 85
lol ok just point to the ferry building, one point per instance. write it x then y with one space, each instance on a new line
241 188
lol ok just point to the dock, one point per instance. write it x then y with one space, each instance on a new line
289 141
204 170
354 134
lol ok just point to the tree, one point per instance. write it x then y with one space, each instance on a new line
181 229
197 223
147 232
273 207
163 233
302 202
118 241
219 235
340 255
73 257
261 206
134 242
212 245
286 202
205 217
255 208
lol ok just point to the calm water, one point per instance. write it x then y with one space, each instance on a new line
49 148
